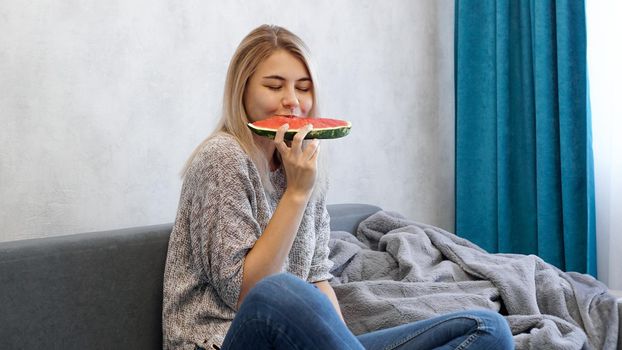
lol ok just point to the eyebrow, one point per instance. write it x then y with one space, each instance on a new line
278 77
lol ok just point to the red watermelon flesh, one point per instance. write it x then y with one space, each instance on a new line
323 128
296 123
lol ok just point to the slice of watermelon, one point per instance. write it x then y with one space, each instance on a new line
323 128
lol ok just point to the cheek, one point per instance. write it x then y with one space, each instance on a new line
306 103
267 100
259 104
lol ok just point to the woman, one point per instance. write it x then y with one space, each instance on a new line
252 208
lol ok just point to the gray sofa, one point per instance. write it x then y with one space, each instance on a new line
100 290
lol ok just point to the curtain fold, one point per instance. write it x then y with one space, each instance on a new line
523 148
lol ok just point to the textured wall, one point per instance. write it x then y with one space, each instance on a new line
102 101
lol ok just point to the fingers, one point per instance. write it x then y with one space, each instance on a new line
300 160
300 135
312 149
278 138
309 151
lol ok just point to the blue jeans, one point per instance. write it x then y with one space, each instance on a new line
285 312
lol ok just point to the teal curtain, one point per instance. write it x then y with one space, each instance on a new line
524 169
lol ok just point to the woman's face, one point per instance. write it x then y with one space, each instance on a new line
281 85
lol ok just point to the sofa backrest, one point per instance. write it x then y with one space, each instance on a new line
100 290
97 290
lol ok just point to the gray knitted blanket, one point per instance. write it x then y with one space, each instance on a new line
396 271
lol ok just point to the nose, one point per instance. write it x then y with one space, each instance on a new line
290 99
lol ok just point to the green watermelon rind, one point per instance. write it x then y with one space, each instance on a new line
320 133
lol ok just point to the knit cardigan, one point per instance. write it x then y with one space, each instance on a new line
223 209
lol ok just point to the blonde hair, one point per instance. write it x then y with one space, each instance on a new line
255 48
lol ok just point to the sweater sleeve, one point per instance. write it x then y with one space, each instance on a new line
320 264
222 220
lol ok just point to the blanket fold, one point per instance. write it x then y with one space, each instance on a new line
395 270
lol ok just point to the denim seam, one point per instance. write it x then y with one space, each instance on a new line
468 341
419 332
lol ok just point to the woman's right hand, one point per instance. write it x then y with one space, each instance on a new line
299 161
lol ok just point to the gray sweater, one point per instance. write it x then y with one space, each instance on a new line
222 211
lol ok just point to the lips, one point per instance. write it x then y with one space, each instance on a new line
289 115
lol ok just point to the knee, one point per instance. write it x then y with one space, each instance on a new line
286 293
281 279
274 289
495 326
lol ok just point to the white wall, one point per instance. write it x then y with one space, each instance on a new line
102 101
604 57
